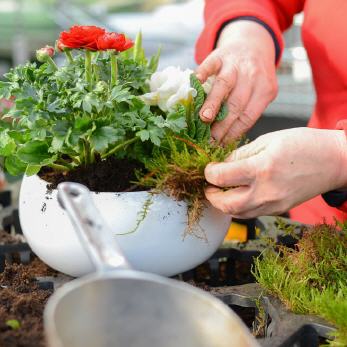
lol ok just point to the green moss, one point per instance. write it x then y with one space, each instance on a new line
311 279
179 171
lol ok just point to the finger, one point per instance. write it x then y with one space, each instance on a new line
246 151
233 201
210 66
221 88
230 174
270 209
255 107
236 103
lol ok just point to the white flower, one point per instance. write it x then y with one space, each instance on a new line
169 87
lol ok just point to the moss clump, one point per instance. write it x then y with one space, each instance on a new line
179 172
312 278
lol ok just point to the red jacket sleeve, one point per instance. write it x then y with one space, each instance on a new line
277 14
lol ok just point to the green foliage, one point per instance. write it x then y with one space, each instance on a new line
92 108
312 279
62 120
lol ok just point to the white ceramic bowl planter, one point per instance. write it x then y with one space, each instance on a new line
157 245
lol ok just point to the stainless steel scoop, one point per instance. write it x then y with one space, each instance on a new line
120 307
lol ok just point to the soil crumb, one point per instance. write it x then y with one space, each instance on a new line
9 239
111 175
22 303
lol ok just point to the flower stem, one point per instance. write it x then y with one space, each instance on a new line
59 167
65 163
114 69
68 56
193 145
96 73
118 147
88 69
51 62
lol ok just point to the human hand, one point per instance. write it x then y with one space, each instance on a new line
244 66
278 171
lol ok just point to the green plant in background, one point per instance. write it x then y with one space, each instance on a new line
311 279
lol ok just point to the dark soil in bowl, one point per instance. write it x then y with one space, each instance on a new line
22 302
111 175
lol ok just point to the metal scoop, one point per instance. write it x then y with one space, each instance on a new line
120 307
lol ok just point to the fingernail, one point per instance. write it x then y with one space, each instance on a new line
198 76
207 114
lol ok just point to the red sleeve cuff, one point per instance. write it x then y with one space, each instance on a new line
225 12
342 125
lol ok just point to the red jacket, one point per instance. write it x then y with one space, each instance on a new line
324 34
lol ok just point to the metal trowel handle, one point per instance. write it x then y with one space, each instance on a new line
93 232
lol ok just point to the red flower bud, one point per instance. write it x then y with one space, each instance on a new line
43 53
80 36
115 41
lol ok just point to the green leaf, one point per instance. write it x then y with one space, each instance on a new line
188 112
138 52
7 144
83 123
176 121
61 128
223 112
200 97
34 152
118 94
55 107
57 144
32 169
155 134
104 136
143 135
207 134
86 104
201 131
5 90
14 166
154 62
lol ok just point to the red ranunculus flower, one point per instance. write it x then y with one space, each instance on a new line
128 44
81 36
114 41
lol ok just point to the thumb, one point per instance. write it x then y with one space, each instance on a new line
230 174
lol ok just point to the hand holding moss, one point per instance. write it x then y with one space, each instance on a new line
244 66
278 171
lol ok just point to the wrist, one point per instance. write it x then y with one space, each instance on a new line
341 148
250 33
